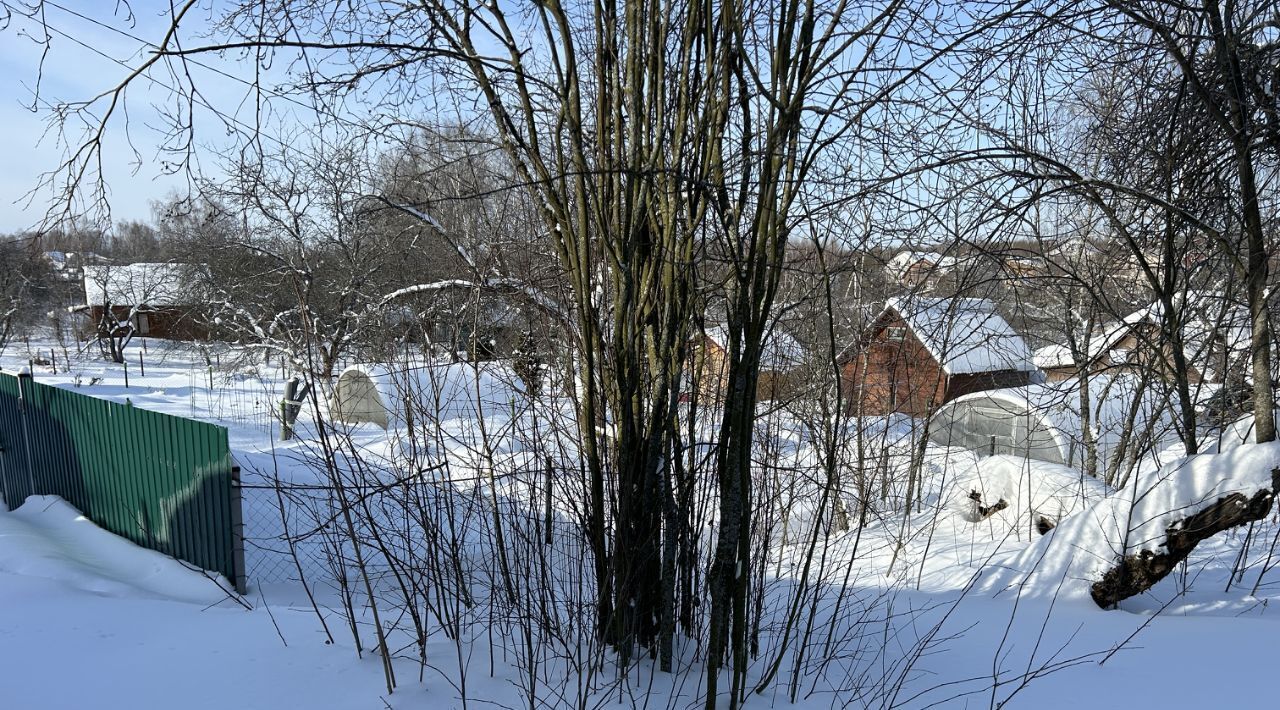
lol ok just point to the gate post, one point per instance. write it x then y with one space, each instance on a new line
238 572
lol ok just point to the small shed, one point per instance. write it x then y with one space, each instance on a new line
1043 421
156 300
922 352
388 397
709 366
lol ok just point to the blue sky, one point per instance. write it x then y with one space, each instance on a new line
132 159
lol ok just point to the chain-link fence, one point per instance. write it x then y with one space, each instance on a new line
285 535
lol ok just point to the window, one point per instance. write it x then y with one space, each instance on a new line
895 334
144 324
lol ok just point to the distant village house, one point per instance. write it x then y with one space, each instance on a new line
914 269
156 300
1215 337
922 352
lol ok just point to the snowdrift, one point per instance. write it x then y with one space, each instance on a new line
1031 490
1083 548
47 537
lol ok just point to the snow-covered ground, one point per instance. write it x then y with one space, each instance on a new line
915 612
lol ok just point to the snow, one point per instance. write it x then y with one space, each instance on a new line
1235 434
442 390
1074 555
47 537
1032 489
965 335
140 284
927 610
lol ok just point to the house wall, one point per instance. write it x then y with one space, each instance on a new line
710 367
163 323
886 376
960 385
1059 374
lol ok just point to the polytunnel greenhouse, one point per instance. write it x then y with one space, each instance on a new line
1043 421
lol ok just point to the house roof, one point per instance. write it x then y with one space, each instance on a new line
904 260
140 284
964 335
1206 315
1053 356
781 351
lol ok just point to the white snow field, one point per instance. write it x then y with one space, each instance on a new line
942 609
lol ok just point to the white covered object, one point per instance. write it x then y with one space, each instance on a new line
387 397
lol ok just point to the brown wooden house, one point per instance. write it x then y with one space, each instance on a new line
709 368
154 300
922 352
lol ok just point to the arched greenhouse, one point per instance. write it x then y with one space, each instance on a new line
1043 421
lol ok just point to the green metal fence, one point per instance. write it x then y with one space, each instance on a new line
164 482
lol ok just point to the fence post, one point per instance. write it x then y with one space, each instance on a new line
237 533
24 382
993 446
550 520
295 393
4 476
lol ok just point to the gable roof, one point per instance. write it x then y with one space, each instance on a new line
781 351
964 335
1206 316
140 284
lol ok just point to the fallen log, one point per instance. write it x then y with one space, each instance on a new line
1138 572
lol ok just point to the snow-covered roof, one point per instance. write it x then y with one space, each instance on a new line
965 335
140 284
1053 356
781 351
904 260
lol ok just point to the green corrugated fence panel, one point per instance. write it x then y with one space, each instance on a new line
14 482
161 481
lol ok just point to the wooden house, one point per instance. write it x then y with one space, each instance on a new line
916 269
1215 336
921 352
708 374
155 300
